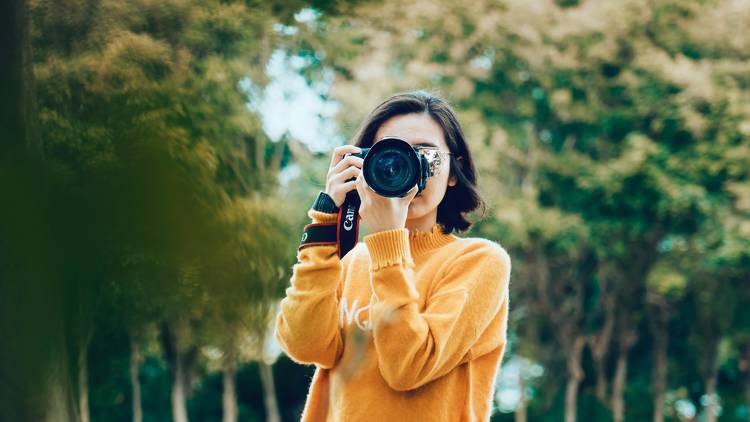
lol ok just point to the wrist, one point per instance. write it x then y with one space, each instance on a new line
385 225
324 203
380 229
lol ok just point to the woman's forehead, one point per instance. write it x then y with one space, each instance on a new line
416 129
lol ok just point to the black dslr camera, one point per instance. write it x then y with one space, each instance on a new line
392 167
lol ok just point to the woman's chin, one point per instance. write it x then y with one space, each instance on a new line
414 210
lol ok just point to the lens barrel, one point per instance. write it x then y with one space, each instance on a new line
392 167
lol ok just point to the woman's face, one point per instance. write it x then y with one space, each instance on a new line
419 129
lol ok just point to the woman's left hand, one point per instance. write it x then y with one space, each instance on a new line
382 213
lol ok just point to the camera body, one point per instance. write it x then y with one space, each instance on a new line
392 167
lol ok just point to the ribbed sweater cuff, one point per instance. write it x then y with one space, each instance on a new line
389 247
322 217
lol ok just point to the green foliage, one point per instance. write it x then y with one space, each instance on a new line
611 140
157 184
614 154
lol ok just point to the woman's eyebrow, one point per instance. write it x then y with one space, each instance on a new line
425 143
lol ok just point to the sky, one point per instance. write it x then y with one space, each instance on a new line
289 104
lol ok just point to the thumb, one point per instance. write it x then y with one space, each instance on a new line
412 193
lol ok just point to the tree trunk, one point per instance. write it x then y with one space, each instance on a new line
601 379
521 413
618 386
175 337
744 369
83 384
600 348
627 339
710 375
658 323
34 367
575 375
135 383
712 408
18 109
269 392
179 401
229 398
659 377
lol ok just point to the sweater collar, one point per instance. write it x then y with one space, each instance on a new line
421 242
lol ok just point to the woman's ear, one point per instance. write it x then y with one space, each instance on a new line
452 180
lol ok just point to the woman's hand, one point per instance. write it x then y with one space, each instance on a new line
341 170
382 213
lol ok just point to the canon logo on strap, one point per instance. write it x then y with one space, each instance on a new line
349 218
347 224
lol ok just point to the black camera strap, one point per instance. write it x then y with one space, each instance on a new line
318 234
344 233
347 234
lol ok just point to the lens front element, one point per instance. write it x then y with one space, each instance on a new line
393 170
392 167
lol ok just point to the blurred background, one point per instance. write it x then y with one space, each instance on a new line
158 157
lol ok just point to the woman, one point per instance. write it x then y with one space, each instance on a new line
410 325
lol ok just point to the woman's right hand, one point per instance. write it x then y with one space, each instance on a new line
342 169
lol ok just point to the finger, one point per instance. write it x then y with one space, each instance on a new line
346 187
346 174
340 151
360 187
348 161
361 180
366 186
412 192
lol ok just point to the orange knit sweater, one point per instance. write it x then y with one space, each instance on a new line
408 326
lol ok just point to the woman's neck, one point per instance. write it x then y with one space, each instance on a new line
424 223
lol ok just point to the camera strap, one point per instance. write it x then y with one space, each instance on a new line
347 234
344 233
318 234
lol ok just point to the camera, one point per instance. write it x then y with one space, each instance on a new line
392 167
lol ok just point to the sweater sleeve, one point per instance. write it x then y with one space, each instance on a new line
307 323
416 347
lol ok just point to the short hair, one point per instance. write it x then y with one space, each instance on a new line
462 198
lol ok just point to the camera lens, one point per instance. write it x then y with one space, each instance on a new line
392 167
394 170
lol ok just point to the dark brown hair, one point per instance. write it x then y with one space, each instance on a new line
462 198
